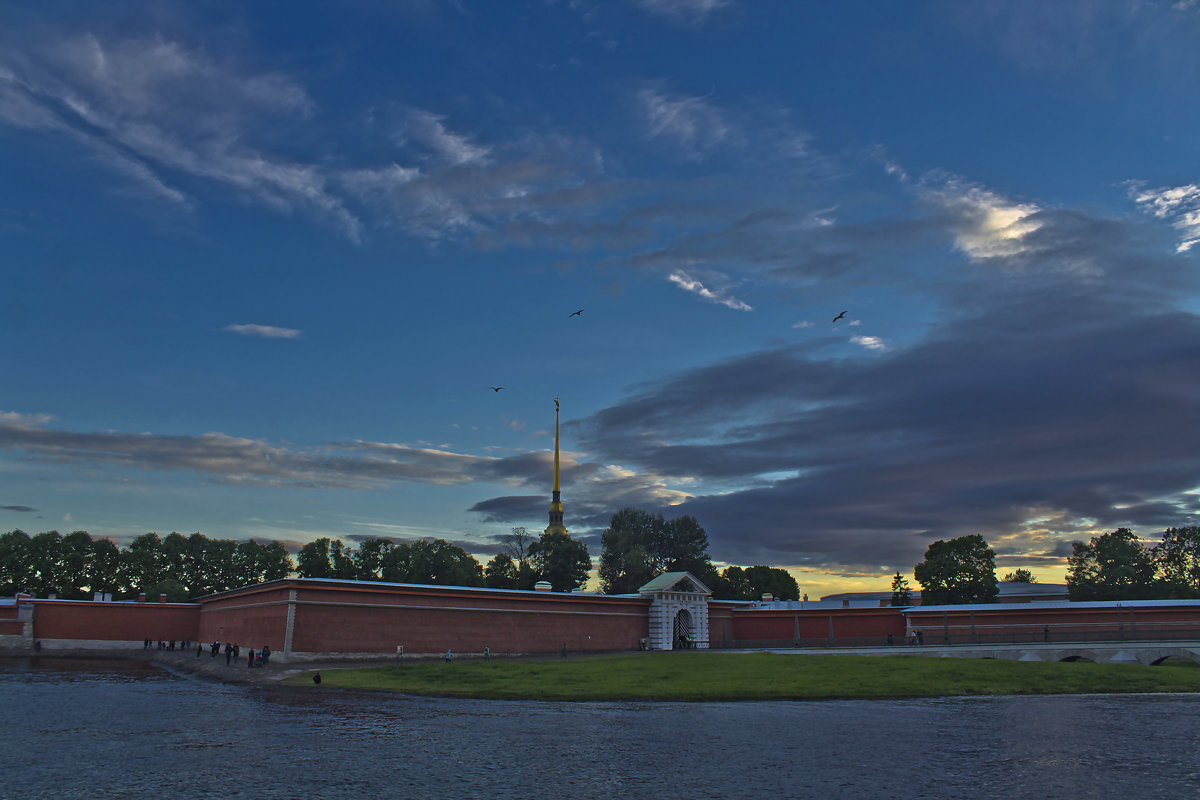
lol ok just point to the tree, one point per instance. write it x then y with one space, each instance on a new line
563 561
434 562
1177 557
1112 566
638 545
45 555
1019 576
142 564
368 559
501 573
313 560
751 583
14 562
105 573
901 593
961 570
76 564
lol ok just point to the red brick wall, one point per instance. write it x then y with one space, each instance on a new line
721 627
81 619
1029 622
9 624
755 625
247 617
432 620
339 618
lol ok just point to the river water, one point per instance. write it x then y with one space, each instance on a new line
113 730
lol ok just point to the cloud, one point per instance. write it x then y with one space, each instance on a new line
1179 205
427 129
1050 410
682 12
689 123
690 284
985 225
155 111
263 331
242 461
869 342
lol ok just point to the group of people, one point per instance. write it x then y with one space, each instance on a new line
233 652
150 644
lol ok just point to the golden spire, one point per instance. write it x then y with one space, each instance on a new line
556 509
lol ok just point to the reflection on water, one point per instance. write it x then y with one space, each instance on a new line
79 729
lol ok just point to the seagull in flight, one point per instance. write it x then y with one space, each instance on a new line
576 314
495 388
839 316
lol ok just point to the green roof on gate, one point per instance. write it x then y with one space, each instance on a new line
667 581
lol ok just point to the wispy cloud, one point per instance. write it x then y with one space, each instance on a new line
156 110
263 331
685 12
690 284
1179 205
427 129
689 123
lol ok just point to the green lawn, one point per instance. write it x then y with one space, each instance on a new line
754 676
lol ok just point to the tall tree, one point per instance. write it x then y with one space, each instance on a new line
77 555
106 567
14 562
901 593
1112 566
563 561
1177 557
638 545
313 560
45 556
368 558
434 562
501 573
142 564
961 570
511 568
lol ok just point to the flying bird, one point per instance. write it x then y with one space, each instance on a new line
576 314
495 388
839 316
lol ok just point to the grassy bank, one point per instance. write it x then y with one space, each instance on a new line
755 676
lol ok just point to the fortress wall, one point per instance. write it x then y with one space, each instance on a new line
87 621
1078 623
764 625
254 617
431 620
10 623
721 629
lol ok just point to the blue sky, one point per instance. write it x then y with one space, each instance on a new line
260 265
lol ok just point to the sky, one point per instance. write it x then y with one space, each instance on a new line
261 265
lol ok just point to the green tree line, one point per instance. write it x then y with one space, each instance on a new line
1111 566
76 566
636 547
553 557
